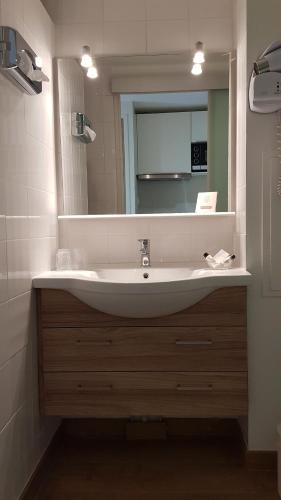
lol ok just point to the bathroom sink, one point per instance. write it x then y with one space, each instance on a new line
142 292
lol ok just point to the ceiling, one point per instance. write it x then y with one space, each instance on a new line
115 27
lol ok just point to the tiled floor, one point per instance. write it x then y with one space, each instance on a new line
169 470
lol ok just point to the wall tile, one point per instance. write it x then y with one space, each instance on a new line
38 117
70 11
13 384
97 249
165 9
38 158
3 272
42 214
27 195
37 23
124 10
2 227
21 323
42 254
4 340
215 33
122 248
217 8
72 160
170 248
168 36
69 40
19 273
17 211
2 196
124 37
108 109
176 239
12 12
8 456
14 165
12 107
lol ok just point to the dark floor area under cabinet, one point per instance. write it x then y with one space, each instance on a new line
181 469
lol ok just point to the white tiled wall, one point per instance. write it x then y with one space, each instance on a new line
28 240
174 239
71 153
139 26
102 153
264 338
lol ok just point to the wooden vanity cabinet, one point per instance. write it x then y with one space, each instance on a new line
189 364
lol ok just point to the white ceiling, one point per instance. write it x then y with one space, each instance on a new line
115 27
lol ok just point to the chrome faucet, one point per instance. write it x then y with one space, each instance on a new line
145 253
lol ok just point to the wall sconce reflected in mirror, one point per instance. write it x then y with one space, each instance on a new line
197 69
86 58
92 71
198 59
88 62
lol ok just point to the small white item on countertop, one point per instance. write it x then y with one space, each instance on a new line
206 203
222 260
209 258
221 256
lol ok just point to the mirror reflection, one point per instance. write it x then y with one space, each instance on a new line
144 137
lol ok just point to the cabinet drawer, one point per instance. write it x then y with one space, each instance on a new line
125 394
223 307
145 349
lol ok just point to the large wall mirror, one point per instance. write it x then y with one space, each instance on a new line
144 137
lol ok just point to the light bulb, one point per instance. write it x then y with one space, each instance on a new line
86 59
38 62
199 56
92 72
196 69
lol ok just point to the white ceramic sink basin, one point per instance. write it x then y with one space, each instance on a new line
142 293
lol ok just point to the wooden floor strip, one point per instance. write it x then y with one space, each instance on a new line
208 469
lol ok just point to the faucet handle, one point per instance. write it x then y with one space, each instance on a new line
145 244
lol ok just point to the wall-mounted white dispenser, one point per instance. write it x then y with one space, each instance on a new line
18 62
265 84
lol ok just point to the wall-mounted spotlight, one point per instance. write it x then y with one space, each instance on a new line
197 69
88 62
198 59
199 56
86 58
93 71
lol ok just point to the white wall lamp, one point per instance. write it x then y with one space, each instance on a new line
93 71
198 59
88 62
86 58
197 69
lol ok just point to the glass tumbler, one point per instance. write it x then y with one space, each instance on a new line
63 259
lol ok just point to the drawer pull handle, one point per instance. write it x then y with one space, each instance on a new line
185 388
194 342
101 343
97 388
